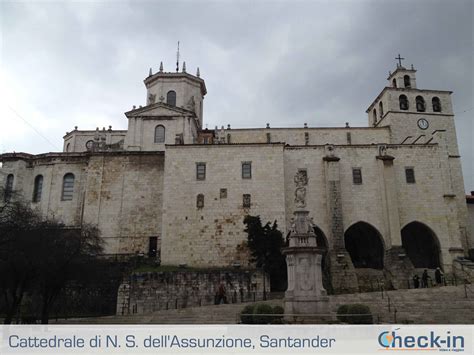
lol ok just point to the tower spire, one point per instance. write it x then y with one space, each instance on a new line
198 74
150 73
184 67
177 59
161 67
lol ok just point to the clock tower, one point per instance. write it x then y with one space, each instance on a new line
423 117
415 116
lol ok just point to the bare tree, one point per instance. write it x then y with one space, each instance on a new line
39 256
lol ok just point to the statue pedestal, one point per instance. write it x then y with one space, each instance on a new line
305 298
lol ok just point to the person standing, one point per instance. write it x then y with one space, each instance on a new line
416 281
424 279
439 276
221 294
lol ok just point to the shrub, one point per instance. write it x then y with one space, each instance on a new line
354 314
246 316
260 314
278 312
341 311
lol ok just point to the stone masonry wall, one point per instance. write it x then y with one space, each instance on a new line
214 235
153 291
316 136
124 198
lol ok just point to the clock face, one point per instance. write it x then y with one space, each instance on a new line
423 123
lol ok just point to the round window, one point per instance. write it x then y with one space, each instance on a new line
89 145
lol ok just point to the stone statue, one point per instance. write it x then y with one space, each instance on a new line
151 99
301 180
292 225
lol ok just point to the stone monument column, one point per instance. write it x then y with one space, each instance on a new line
305 294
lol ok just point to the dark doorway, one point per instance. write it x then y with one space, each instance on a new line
322 242
421 245
152 246
365 246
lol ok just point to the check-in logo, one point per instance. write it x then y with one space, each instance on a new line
430 340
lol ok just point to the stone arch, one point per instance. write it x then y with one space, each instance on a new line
420 104
403 102
436 104
365 245
421 245
407 81
322 242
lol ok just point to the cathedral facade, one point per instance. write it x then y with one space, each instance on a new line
385 199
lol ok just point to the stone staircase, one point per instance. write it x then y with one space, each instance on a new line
220 314
437 305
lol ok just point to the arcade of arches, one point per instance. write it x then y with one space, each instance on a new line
366 249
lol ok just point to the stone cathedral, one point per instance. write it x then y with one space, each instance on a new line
385 199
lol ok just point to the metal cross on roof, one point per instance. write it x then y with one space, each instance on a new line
400 60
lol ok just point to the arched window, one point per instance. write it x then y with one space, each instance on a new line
171 98
420 104
403 102
159 134
436 104
394 82
406 81
200 201
68 147
380 109
38 188
68 187
9 188
375 116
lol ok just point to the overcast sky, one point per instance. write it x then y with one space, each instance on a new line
322 62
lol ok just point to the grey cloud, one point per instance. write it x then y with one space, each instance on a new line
321 62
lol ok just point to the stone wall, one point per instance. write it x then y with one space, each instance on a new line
315 136
149 292
124 198
52 167
470 209
121 193
214 234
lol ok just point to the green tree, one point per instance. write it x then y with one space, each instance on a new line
265 244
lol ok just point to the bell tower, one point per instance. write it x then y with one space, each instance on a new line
421 117
414 115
